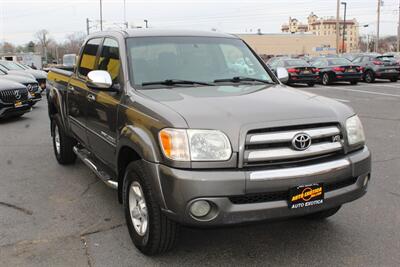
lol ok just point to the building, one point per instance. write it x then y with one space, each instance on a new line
327 27
290 44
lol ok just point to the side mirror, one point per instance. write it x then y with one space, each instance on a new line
100 80
282 74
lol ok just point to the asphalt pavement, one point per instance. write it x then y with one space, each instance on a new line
52 215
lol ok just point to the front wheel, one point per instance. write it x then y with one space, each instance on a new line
150 230
393 80
326 79
62 143
321 215
311 84
369 77
354 82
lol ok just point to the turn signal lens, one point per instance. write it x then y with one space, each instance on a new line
174 143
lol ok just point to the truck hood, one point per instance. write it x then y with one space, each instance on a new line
246 107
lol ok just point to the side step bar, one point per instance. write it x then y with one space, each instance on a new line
84 155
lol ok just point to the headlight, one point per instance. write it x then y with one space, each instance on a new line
355 131
195 145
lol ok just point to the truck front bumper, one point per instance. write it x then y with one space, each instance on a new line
241 195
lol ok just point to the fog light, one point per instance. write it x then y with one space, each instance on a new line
200 208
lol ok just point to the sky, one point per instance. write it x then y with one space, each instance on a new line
20 19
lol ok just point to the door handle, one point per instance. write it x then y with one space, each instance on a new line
91 97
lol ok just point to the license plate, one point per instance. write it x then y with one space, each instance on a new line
306 196
306 72
33 94
18 104
350 70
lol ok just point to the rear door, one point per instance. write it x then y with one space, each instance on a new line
77 90
103 107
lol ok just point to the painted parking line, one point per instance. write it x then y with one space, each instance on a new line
357 91
387 86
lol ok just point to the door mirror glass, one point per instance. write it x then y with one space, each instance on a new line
99 79
282 74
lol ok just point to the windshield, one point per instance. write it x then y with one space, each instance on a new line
296 63
11 65
201 59
386 58
338 61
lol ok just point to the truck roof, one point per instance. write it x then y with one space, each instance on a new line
165 32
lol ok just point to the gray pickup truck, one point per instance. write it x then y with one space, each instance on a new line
192 128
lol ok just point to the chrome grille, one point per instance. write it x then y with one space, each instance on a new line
275 145
9 96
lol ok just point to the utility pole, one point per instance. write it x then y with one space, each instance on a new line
101 15
398 32
87 26
378 18
147 23
337 26
125 22
344 27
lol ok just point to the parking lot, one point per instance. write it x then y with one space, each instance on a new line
54 215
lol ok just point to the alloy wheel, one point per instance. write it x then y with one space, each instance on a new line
138 209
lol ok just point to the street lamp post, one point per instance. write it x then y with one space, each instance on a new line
344 26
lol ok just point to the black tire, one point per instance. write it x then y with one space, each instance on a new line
354 82
369 77
394 80
65 154
321 215
161 233
326 79
311 84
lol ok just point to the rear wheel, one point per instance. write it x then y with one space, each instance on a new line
321 215
62 143
354 82
369 77
150 230
311 84
326 79
394 80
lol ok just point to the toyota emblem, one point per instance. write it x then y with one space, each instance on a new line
17 95
301 141
29 87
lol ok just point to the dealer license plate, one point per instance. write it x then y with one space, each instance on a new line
306 196
18 104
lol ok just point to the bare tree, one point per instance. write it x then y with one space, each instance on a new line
74 42
43 37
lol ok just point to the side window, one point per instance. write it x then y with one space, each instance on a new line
357 60
88 57
109 58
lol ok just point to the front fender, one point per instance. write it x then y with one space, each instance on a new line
141 141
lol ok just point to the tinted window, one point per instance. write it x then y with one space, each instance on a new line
191 58
109 58
296 63
88 57
338 61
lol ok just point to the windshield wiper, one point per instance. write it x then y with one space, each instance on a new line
238 79
171 82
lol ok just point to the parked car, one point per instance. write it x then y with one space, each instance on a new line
378 67
14 68
185 139
14 100
271 61
299 71
31 85
337 69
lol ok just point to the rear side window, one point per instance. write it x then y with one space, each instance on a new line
88 57
109 58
